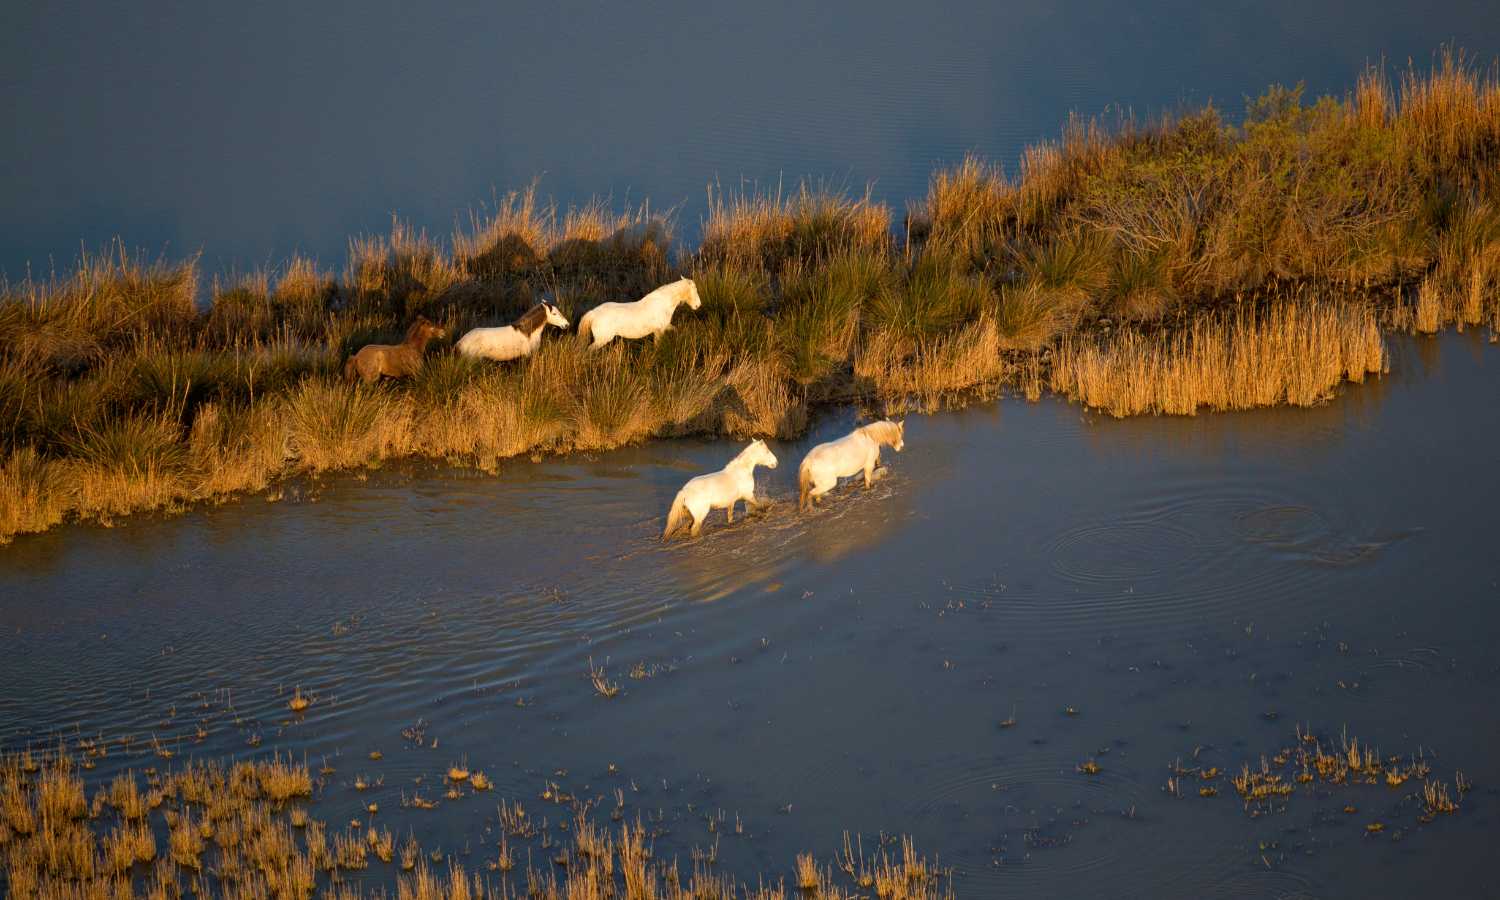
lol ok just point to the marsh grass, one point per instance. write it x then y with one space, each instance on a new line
1138 266
1293 353
233 830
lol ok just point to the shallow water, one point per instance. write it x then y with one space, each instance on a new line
250 131
1182 584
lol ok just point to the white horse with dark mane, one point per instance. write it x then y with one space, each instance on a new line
858 451
650 315
719 490
519 338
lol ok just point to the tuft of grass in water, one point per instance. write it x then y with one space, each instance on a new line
29 495
599 678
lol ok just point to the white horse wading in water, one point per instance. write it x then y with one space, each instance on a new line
519 338
857 451
719 490
652 314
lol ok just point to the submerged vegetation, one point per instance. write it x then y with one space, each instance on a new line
1157 266
244 830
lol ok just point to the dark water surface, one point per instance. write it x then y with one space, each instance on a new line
252 130
1182 584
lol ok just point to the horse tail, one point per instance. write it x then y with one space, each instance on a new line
350 370
586 327
804 485
674 516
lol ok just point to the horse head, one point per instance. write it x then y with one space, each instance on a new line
424 329
891 434
692 299
761 455
554 315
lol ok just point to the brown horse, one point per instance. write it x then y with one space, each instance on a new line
396 360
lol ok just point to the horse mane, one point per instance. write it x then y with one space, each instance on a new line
531 320
677 291
883 432
741 455
414 327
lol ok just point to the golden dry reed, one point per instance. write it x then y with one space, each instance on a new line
1293 353
1091 268
241 831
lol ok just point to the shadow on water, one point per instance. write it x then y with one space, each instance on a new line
1028 587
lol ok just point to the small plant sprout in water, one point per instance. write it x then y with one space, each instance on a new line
506 860
480 782
1010 722
1089 767
459 771
809 879
600 680
299 702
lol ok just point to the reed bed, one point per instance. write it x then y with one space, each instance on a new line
244 830
1161 266
1294 353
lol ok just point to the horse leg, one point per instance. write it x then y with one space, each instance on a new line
869 474
697 524
821 487
729 512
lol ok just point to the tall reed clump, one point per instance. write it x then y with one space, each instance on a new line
1095 265
1293 353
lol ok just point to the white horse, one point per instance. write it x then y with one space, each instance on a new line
519 338
857 451
652 314
719 490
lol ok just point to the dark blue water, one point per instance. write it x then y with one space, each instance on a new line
249 131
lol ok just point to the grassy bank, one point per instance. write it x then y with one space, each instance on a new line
1137 266
246 830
